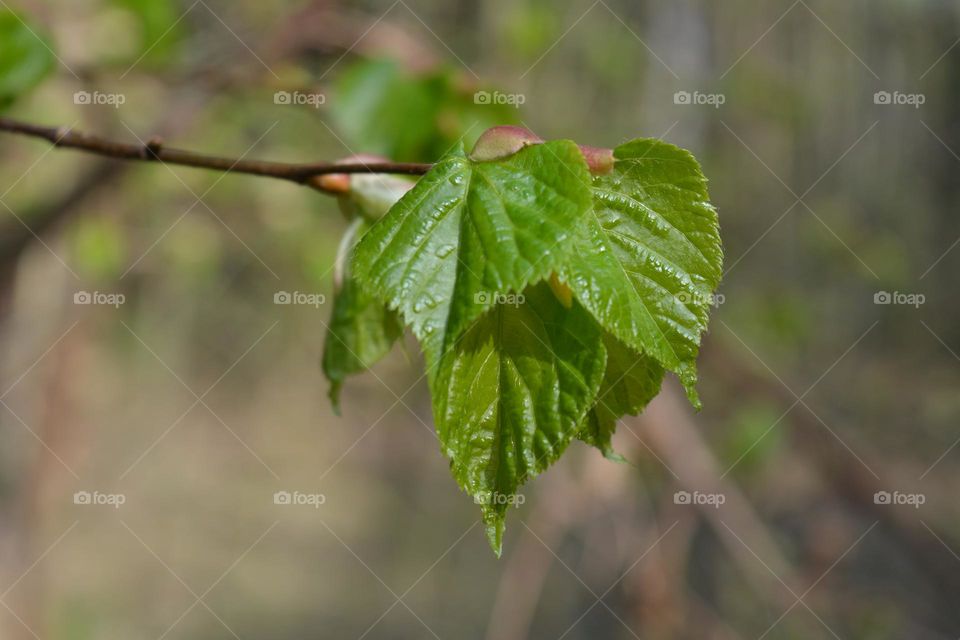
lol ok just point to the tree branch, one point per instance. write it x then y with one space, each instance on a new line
154 151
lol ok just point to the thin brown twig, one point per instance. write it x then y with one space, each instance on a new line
155 151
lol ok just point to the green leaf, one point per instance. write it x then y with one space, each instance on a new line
630 382
360 333
510 394
648 259
25 57
361 330
615 275
469 232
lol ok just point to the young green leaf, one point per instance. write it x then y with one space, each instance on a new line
649 258
630 382
509 396
361 330
469 232
370 196
615 275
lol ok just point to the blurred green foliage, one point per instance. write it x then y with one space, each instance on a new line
407 116
25 57
748 441
159 23
98 243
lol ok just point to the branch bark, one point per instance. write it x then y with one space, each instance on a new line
307 174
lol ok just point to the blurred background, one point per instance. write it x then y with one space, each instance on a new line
153 398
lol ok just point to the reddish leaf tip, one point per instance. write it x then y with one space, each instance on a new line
503 141
599 160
